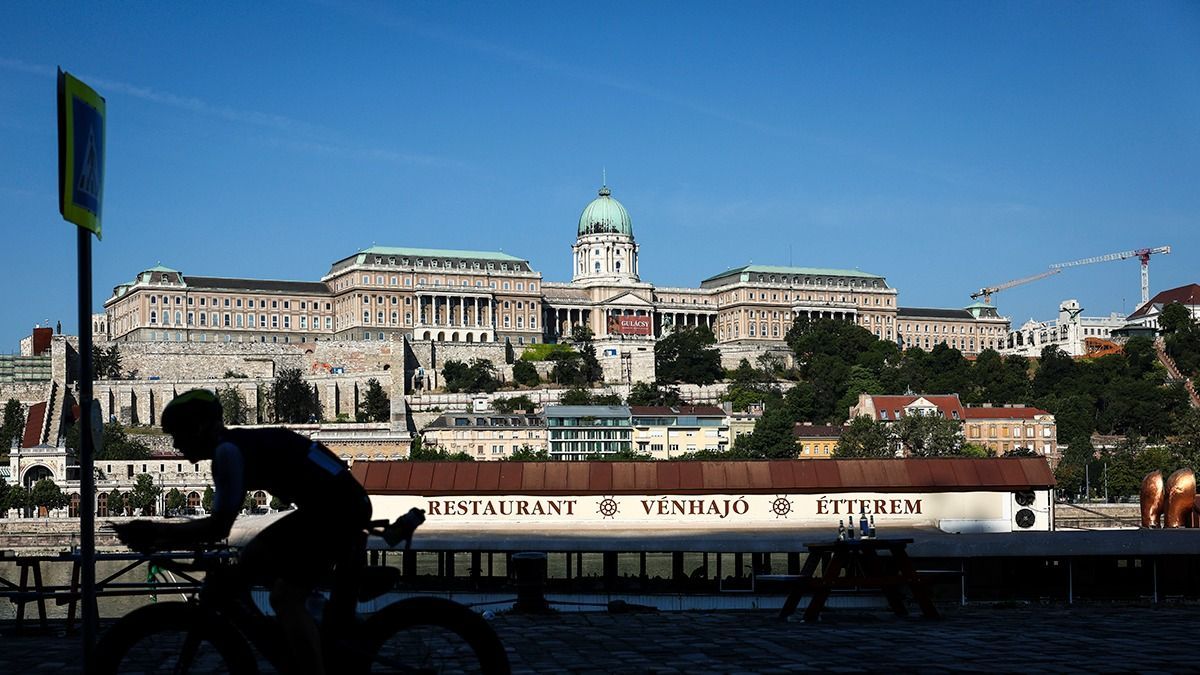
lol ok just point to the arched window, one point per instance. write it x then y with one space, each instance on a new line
597 271
618 265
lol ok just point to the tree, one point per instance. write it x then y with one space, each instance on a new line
527 453
589 366
688 355
106 363
928 435
116 444
508 405
1175 319
116 503
249 505
643 393
144 494
864 437
478 376
375 406
206 500
234 409
175 502
294 400
5 495
278 504
525 374
419 451
18 497
576 397
13 426
47 495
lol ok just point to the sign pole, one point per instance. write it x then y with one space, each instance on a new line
81 144
87 476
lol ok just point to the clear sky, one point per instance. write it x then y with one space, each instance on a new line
946 146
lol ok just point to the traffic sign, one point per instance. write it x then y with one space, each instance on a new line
81 144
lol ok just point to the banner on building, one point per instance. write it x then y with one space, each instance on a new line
630 325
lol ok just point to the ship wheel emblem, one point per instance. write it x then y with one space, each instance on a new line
781 506
608 507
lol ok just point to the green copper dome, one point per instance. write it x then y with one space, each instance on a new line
605 214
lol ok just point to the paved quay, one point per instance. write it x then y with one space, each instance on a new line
1054 638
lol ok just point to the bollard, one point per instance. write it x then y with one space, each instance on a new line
529 576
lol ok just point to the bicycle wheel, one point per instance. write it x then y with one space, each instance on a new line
433 635
173 637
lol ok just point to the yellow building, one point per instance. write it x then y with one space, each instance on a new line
666 432
816 441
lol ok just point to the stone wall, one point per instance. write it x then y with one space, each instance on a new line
27 393
140 402
732 355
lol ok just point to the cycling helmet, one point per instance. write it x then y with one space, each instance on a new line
197 405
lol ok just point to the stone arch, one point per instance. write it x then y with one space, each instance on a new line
483 337
470 337
73 506
441 336
260 499
35 473
193 501
101 503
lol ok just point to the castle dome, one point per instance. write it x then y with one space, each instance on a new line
605 215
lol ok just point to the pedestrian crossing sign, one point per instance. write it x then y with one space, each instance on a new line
81 144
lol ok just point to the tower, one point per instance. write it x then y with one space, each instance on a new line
604 251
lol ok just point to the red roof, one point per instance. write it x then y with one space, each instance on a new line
1002 413
734 477
801 430
1187 295
947 403
33 425
664 411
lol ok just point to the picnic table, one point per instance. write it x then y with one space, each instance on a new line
856 564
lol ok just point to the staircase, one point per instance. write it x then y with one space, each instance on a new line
1160 347
53 402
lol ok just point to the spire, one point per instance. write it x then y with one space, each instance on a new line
604 191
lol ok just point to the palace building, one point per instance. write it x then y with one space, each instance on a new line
463 296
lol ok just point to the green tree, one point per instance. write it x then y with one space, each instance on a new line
116 503
928 435
508 405
589 366
144 494
234 409
47 495
175 502
525 374
576 397
13 425
864 437
294 401
861 381
249 505
688 355
18 498
420 451
567 368
527 453
1175 319
611 398
5 496
375 406
644 393
116 443
206 500
476 377
278 504
106 363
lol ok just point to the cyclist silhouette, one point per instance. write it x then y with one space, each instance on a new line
293 554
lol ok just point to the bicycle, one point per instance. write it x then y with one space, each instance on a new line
214 629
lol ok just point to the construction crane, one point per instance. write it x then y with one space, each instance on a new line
1142 254
986 291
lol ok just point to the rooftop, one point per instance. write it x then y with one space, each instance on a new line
809 271
586 411
932 313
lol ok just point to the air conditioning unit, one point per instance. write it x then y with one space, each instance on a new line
1031 511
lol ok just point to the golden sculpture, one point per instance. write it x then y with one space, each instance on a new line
1153 499
1181 498
1169 503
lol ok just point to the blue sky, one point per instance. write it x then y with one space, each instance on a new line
946 146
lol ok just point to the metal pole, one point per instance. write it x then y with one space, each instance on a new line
87 486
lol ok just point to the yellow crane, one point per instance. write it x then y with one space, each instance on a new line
986 291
